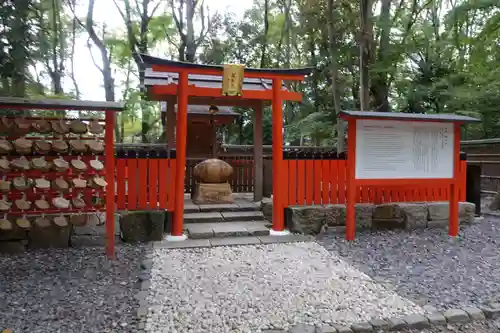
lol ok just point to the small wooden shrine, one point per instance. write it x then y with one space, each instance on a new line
203 124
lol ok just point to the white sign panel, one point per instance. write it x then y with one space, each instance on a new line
403 149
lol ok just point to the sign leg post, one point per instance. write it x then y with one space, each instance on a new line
350 222
453 226
454 202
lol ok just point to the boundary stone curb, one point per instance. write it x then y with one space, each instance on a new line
144 283
413 321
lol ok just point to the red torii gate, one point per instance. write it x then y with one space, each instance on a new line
184 83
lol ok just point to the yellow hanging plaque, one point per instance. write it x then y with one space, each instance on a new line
232 81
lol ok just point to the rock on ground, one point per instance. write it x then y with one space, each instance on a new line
428 266
69 290
247 288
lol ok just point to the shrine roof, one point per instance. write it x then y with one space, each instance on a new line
157 78
161 80
152 78
150 60
441 117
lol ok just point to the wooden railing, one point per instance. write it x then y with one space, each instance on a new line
320 178
145 180
324 182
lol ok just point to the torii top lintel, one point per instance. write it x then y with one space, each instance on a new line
205 82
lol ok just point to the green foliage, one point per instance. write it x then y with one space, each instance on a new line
438 57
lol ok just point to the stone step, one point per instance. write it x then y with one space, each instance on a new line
231 241
189 207
207 217
243 216
229 229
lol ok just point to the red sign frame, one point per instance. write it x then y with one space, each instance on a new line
352 182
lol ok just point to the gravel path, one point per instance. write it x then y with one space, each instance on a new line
246 288
427 266
69 290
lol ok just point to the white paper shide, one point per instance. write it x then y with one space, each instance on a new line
403 149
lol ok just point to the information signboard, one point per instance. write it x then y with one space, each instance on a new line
391 149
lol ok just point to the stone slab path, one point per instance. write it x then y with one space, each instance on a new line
228 229
206 217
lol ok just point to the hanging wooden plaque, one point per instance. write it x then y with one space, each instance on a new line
232 82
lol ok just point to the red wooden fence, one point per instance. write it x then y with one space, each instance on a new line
310 182
145 183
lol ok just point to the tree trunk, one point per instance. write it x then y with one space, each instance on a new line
182 52
334 73
19 42
288 28
380 81
107 74
190 41
263 48
72 60
57 70
364 53
314 64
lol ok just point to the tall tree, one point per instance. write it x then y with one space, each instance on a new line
334 72
263 50
184 13
99 42
52 41
17 40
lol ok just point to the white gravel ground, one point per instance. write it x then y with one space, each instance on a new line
248 288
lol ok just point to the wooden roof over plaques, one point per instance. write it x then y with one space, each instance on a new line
59 104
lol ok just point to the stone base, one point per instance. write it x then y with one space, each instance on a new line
312 220
317 219
142 226
205 193
50 237
13 247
